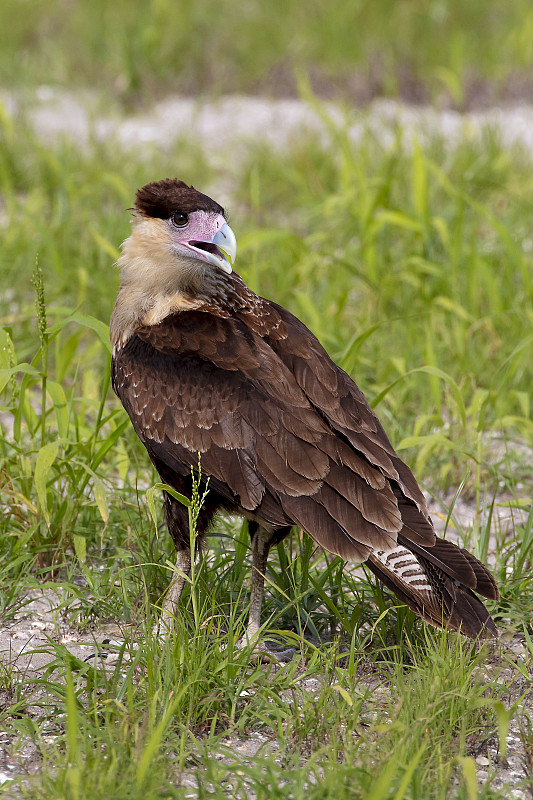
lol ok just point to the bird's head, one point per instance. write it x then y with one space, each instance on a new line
180 249
192 225
181 232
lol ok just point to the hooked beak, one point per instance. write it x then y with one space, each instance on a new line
221 251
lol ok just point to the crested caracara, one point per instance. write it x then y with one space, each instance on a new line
204 365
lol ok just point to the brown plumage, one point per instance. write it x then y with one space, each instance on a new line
204 365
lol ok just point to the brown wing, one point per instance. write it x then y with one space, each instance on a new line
428 577
342 403
200 383
286 435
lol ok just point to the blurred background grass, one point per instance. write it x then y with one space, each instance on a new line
420 50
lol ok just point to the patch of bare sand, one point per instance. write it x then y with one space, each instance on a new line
218 125
25 645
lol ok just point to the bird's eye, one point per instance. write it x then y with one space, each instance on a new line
179 219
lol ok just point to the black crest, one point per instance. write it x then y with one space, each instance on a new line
161 198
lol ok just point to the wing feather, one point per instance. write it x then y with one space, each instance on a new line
288 438
205 384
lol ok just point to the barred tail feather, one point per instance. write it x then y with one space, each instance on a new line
433 588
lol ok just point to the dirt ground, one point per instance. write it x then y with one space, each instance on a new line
232 122
25 647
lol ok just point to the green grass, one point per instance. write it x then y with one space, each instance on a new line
135 50
415 270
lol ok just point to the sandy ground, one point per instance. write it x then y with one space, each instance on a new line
222 126
41 620
235 120
26 645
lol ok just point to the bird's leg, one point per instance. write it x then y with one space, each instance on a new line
170 605
175 588
262 538
177 519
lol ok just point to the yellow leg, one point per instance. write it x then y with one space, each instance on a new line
261 539
183 567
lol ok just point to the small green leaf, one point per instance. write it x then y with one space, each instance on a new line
343 693
453 307
86 321
398 220
80 547
6 374
348 359
503 717
57 394
45 458
163 487
100 496
469 773
150 499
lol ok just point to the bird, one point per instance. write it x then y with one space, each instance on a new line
207 369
